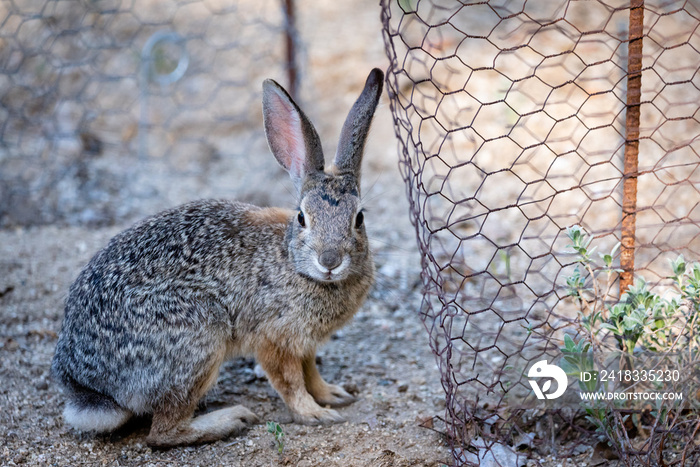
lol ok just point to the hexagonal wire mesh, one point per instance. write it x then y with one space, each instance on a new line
513 120
86 126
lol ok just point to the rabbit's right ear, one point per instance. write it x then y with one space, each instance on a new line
291 136
348 159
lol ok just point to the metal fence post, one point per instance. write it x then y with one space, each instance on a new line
291 49
631 163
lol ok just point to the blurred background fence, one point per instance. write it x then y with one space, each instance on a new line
100 99
518 119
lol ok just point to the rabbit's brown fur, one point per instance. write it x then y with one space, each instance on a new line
153 315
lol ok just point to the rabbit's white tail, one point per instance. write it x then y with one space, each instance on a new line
100 418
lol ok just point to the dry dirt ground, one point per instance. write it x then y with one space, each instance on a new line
382 356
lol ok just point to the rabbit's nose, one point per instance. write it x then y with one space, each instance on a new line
330 259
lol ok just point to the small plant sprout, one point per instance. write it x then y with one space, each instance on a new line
591 299
278 434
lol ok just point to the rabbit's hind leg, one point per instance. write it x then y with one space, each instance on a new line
173 423
177 427
322 392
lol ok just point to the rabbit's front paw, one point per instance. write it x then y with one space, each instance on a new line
334 396
319 417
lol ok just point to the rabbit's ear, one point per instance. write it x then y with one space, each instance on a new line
348 159
291 136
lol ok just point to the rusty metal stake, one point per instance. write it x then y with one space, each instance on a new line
631 166
290 39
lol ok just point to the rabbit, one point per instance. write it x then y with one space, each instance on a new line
153 315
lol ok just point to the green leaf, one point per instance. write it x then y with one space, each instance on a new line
631 322
615 330
678 266
574 232
615 248
569 359
569 343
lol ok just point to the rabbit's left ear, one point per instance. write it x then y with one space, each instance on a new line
291 136
348 159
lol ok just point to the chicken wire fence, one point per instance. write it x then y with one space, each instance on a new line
105 102
517 119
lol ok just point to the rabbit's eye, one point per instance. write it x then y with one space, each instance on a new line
300 218
359 220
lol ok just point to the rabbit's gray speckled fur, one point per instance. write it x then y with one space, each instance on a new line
153 315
